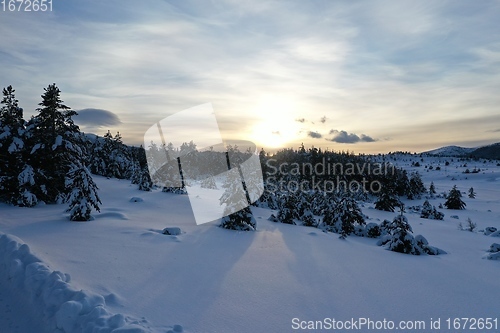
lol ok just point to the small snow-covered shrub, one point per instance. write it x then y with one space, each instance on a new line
470 226
172 231
493 256
360 230
495 234
372 230
424 247
430 212
273 218
489 230
242 220
400 239
495 247
308 219
209 183
384 227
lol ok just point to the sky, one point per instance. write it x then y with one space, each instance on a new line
363 76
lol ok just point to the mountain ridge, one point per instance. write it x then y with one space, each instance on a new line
491 151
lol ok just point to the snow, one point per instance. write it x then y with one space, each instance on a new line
127 276
58 142
55 302
16 145
451 151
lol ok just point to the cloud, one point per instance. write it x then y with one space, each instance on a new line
301 120
366 138
96 118
344 137
323 119
314 135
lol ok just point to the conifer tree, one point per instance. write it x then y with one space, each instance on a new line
432 190
145 183
82 194
453 200
430 212
387 199
237 213
401 238
12 147
54 146
287 209
472 194
342 215
415 186
348 214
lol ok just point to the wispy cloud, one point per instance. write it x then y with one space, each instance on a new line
370 67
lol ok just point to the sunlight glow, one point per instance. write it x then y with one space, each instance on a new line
276 126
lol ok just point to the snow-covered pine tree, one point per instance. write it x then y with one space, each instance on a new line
401 238
329 215
454 199
430 212
432 190
415 186
472 194
120 159
135 172
26 181
83 195
54 146
237 213
12 147
209 183
348 214
145 183
306 215
99 157
387 199
287 209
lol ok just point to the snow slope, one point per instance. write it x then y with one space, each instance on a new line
451 151
212 280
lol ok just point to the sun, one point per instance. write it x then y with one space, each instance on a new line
275 126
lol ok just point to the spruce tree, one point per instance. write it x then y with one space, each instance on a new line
82 193
26 181
237 213
308 219
430 212
12 147
349 215
432 190
54 143
453 200
472 194
145 183
401 238
287 209
343 215
387 199
415 186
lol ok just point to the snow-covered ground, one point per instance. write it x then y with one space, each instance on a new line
212 280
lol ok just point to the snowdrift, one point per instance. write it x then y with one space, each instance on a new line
63 309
